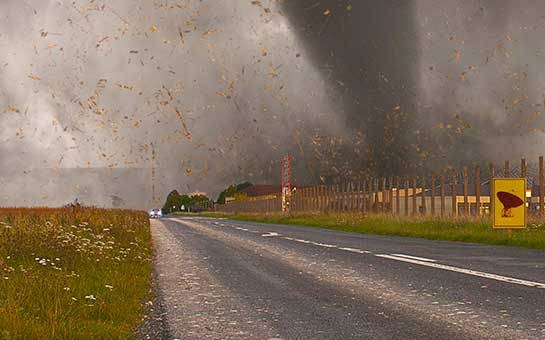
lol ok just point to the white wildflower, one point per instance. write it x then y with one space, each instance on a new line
90 297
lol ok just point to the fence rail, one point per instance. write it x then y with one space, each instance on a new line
452 192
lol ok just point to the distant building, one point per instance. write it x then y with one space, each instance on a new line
260 190
198 193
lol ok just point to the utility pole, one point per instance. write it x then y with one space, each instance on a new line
286 182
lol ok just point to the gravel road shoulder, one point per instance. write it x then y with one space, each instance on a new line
195 305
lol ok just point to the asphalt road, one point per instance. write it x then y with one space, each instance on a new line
228 279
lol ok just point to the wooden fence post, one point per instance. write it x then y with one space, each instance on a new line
317 198
477 190
370 194
311 198
506 169
307 199
328 197
391 196
383 200
432 203
344 196
423 195
300 197
397 195
466 198
454 197
357 186
297 199
356 206
303 198
541 187
338 203
311 195
358 197
442 192
414 195
363 198
324 198
325 194
406 195
352 195
347 196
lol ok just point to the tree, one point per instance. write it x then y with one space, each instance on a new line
175 201
232 190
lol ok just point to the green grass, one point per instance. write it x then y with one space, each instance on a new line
73 273
473 229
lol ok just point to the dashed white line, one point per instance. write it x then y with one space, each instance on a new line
467 271
325 245
415 257
354 250
270 234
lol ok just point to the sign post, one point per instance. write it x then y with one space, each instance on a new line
509 203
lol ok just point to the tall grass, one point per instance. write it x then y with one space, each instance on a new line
73 273
467 229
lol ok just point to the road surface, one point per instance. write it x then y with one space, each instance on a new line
220 278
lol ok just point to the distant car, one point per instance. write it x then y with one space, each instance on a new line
155 213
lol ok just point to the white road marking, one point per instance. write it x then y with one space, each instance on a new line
416 260
325 245
354 250
467 271
414 257
239 228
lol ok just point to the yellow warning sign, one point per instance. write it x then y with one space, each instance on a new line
509 203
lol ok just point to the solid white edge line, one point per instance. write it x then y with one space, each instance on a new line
415 257
468 272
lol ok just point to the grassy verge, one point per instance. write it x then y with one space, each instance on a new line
73 273
461 229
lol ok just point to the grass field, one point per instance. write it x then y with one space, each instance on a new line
468 229
73 273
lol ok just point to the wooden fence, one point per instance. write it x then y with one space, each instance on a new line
446 193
